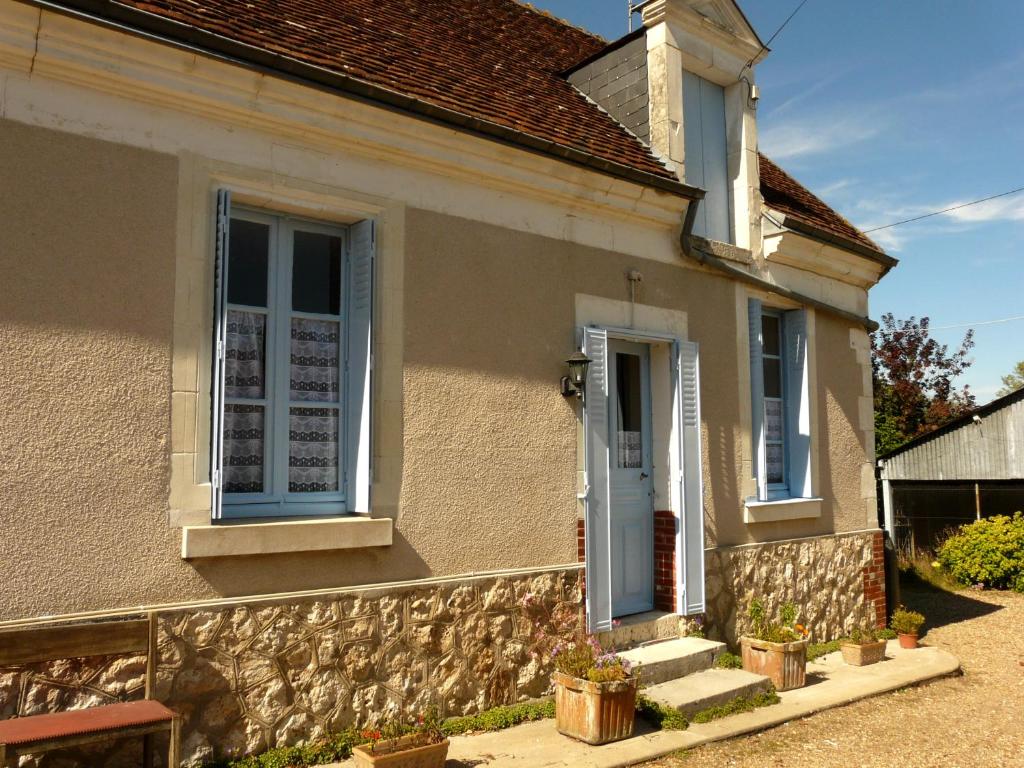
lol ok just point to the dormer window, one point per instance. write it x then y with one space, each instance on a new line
706 155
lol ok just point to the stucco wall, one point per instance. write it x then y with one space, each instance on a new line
488 443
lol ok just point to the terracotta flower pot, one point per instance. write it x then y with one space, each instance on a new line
861 655
595 713
908 640
784 663
404 754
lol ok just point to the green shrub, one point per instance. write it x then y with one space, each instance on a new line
886 634
737 705
499 718
728 660
659 715
906 622
816 650
989 552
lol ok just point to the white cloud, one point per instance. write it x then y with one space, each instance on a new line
1010 208
816 135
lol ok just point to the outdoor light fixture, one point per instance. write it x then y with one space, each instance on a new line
576 382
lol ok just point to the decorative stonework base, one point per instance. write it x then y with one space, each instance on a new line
250 676
834 581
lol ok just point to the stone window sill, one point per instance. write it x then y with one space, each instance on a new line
266 538
782 509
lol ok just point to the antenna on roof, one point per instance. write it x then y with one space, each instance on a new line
633 8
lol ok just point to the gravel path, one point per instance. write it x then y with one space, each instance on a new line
976 720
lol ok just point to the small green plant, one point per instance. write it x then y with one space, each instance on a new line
499 718
863 636
784 630
728 660
886 634
817 650
422 730
987 553
737 705
659 715
906 622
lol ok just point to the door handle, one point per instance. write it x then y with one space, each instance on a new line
644 475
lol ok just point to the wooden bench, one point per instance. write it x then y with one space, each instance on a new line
42 733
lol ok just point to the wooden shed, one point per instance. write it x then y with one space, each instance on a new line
968 469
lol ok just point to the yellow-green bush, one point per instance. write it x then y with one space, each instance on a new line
989 552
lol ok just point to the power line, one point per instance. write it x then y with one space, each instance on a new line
960 325
945 210
764 46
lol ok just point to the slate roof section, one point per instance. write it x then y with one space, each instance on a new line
787 195
496 60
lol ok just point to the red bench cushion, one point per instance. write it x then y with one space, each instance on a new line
112 717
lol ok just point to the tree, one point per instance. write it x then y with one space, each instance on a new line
1013 381
913 381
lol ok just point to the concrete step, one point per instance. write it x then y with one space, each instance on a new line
640 628
670 659
709 688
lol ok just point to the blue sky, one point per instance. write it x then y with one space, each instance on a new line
892 109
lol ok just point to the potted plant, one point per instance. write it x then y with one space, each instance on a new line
863 647
777 649
906 624
396 745
595 692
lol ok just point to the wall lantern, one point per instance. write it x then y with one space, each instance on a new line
576 382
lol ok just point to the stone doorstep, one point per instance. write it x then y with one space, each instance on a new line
708 688
660 662
650 626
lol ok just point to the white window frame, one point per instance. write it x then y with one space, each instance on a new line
354 396
777 490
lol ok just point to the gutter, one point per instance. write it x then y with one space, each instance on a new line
720 265
149 26
829 238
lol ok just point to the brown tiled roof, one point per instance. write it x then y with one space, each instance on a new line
787 195
494 60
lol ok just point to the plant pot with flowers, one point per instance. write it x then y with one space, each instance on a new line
776 648
400 745
863 647
906 624
595 692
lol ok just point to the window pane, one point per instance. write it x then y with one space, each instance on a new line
316 273
243 449
773 420
248 256
314 360
772 377
245 355
774 463
770 334
312 450
630 407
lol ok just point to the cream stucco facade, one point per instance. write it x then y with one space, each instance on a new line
107 336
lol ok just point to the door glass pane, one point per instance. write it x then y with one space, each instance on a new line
316 273
243 448
772 377
629 433
770 334
245 356
774 463
314 360
312 450
248 256
773 421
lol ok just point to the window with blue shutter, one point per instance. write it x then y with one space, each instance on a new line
780 402
291 393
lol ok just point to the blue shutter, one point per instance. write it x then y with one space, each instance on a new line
757 452
690 541
598 511
797 410
220 297
705 155
359 367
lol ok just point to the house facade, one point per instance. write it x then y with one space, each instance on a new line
289 294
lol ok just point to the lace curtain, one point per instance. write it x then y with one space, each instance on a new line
244 377
313 432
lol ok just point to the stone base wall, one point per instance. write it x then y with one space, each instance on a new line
249 676
837 583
